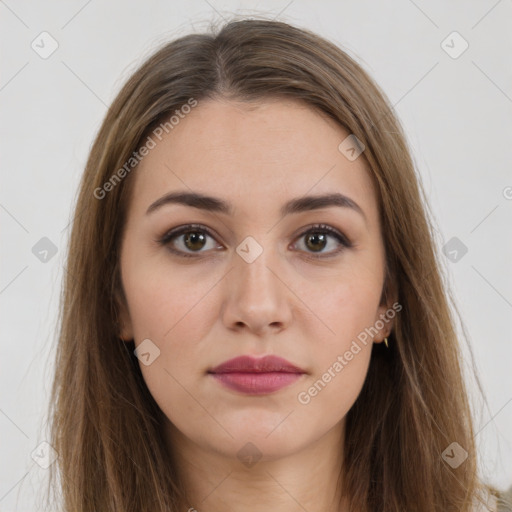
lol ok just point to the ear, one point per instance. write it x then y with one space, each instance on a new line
387 310
384 321
124 323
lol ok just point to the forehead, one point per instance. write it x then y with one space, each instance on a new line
255 156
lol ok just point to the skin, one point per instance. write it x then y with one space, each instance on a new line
214 306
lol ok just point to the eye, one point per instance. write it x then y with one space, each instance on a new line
316 239
190 240
192 237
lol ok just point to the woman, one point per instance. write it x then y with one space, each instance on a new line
253 316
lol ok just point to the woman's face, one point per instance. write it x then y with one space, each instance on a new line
255 278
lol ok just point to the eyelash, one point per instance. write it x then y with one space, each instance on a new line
316 229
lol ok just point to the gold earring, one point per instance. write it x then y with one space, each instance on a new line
386 342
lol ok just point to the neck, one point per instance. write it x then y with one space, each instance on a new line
224 481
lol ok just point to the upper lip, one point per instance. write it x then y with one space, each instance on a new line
248 364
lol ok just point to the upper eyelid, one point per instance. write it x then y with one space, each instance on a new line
180 230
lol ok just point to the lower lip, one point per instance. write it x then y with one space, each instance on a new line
256 383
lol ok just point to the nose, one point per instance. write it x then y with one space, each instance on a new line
257 297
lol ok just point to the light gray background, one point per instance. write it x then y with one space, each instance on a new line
456 112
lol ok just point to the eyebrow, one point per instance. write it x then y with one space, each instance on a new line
214 204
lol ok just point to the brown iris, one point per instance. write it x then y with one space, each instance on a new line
194 240
315 237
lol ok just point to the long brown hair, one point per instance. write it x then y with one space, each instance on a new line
106 427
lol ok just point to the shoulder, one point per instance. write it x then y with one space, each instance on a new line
499 502
504 501
487 501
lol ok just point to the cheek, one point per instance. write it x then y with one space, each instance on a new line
342 307
342 341
175 310
163 300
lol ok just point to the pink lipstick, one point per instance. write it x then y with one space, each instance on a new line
256 376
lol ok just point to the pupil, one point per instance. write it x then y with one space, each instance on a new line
316 238
193 238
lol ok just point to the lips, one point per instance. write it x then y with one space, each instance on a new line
248 364
253 376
